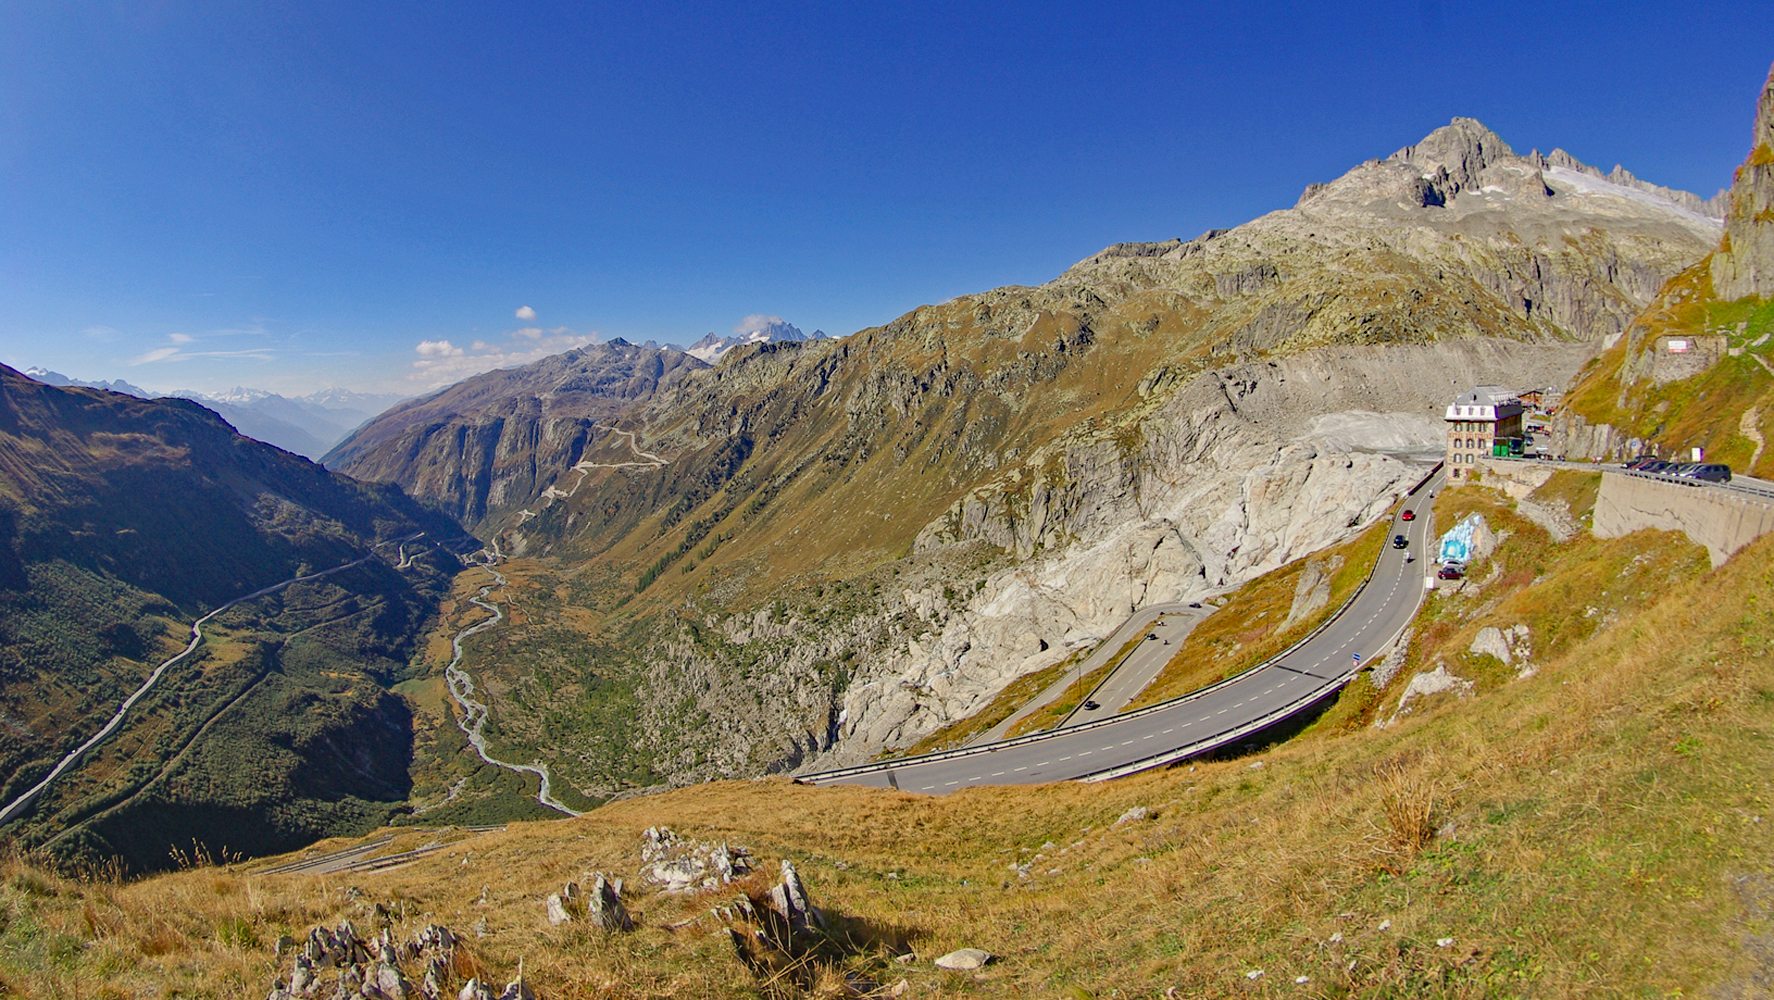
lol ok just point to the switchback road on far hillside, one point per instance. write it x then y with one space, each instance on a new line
17 805
1206 720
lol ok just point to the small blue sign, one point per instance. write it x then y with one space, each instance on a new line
1356 657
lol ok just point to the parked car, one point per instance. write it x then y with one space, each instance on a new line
1450 572
1408 516
1640 462
1399 541
1656 467
1713 473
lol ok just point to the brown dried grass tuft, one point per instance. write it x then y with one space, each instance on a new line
1407 802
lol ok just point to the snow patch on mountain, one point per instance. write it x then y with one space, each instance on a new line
763 329
1576 183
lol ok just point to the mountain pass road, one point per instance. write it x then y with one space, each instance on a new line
1208 719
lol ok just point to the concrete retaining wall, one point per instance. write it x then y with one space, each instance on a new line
1722 521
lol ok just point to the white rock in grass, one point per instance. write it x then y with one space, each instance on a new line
965 959
1134 815
557 910
1254 974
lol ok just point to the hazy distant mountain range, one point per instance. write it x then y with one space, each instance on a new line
306 425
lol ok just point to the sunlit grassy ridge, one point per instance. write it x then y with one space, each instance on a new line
1595 828
1724 409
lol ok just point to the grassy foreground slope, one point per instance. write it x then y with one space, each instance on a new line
1595 827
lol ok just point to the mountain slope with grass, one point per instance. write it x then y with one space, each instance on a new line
121 521
816 551
1516 834
1697 369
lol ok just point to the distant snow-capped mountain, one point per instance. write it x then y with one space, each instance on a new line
48 377
306 425
713 346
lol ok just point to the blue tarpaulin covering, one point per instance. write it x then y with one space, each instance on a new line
1456 545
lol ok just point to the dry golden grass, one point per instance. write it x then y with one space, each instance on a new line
1584 831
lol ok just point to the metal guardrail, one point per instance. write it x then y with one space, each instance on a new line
1218 740
956 754
1211 743
1745 485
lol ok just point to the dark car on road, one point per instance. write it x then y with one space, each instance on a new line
1710 473
1449 572
1399 541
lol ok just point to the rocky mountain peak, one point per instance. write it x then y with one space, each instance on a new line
1461 150
1744 263
755 330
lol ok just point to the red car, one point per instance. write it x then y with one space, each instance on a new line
1408 516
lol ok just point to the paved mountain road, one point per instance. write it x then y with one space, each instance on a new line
1120 687
1206 720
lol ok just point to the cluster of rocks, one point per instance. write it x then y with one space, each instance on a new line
602 906
1511 646
677 864
1425 684
341 964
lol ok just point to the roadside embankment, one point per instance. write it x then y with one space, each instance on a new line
1722 521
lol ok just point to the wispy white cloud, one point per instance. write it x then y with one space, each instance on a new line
441 362
178 348
160 354
157 354
525 313
438 349
756 321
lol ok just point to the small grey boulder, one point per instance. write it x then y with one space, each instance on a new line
965 960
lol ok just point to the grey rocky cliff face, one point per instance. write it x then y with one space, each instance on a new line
1227 485
1227 481
1744 263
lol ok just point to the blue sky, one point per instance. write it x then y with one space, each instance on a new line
291 195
